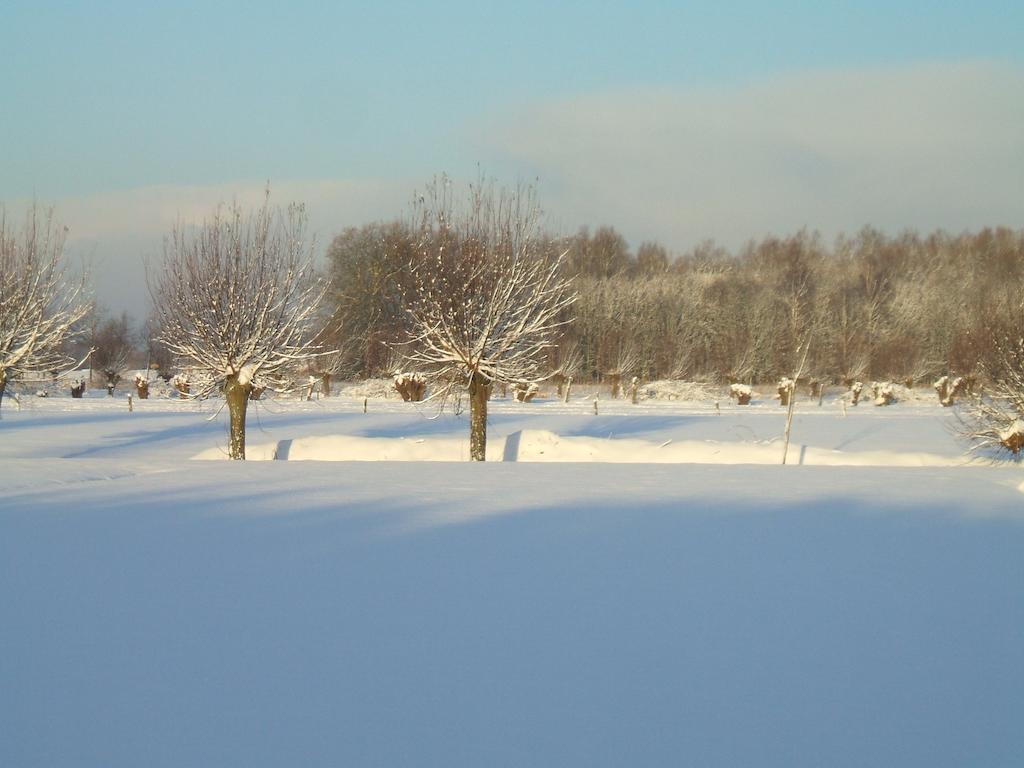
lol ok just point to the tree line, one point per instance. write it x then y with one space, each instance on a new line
908 307
468 290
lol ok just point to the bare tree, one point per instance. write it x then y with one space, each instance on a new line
625 363
570 361
486 295
39 309
365 266
112 349
996 420
651 259
158 357
237 300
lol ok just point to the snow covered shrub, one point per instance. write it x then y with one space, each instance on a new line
949 389
1012 438
181 383
741 393
142 386
785 390
411 386
524 392
883 392
77 388
113 378
855 390
672 389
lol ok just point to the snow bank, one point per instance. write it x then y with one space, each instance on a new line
538 445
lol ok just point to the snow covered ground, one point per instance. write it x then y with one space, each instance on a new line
705 606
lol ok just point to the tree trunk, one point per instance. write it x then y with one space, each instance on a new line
325 384
3 386
237 397
479 391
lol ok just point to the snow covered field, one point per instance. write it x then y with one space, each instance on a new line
705 606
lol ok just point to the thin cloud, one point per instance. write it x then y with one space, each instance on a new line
115 233
926 147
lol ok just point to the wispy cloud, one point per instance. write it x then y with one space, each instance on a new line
152 211
930 146
116 233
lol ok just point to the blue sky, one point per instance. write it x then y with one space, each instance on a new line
619 109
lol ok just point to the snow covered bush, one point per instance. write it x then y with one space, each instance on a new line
884 392
949 389
785 390
855 391
142 386
237 298
741 393
1012 437
673 389
181 384
411 386
524 392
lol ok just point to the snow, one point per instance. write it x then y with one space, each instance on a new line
163 611
1016 429
533 445
246 374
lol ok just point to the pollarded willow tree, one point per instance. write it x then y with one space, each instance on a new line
237 300
485 296
40 310
996 419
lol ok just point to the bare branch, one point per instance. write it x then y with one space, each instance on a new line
40 310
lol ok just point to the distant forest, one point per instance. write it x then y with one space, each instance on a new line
907 308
